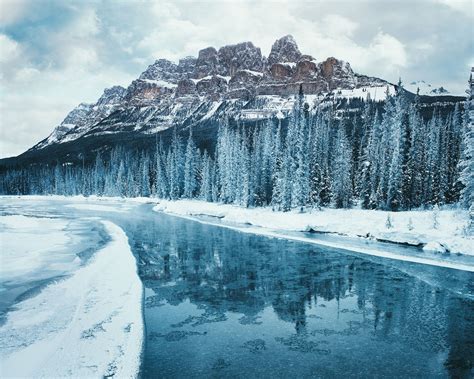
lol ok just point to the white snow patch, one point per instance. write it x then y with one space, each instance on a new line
377 93
43 246
435 247
161 83
426 89
289 64
215 105
255 73
88 325
209 77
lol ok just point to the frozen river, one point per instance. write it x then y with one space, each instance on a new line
216 302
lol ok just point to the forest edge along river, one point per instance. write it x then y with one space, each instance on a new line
221 303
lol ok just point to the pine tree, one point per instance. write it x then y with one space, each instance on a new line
341 185
467 162
398 183
190 168
144 187
301 183
99 176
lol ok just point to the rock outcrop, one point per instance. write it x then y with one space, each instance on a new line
236 76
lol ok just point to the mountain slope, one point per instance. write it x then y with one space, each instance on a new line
236 82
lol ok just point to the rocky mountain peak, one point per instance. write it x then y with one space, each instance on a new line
232 76
162 69
111 96
284 49
186 65
206 63
338 73
242 56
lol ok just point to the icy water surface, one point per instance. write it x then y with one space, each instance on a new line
223 304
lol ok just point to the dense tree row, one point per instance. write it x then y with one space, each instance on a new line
385 157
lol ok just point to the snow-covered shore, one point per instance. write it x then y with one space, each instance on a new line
441 231
87 325
38 251
435 231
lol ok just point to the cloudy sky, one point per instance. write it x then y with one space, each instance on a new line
55 54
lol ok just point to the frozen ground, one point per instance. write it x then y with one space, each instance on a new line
87 325
38 251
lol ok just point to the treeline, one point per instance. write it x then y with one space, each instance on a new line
386 157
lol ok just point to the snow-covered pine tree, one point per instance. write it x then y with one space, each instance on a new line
416 158
467 162
190 167
301 182
398 184
144 184
386 149
341 184
454 154
99 176
205 192
432 176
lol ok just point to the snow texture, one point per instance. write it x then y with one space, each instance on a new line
87 325
38 251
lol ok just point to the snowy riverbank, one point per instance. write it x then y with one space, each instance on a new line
436 232
87 325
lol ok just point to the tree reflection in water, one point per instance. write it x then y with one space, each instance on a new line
215 298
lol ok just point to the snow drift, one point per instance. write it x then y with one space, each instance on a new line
88 325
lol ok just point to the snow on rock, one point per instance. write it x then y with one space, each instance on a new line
411 227
376 93
89 324
435 247
426 89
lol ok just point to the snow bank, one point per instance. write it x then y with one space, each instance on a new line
435 246
88 325
413 227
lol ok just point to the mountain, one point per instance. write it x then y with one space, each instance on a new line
426 89
235 81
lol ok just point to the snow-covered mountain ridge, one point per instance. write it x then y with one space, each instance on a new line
236 80
426 89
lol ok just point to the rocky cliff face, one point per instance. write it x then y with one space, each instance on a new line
235 80
240 72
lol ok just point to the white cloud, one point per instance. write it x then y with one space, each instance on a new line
464 6
388 49
335 24
37 98
71 59
9 49
12 11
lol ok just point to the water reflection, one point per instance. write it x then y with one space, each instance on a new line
228 304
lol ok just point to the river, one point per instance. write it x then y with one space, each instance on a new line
221 303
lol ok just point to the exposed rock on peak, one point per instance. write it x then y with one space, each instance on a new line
206 63
186 66
284 49
162 69
242 56
111 96
212 87
167 94
337 73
